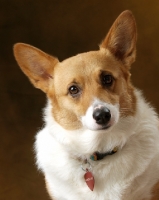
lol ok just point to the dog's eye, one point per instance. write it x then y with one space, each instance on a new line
107 80
74 90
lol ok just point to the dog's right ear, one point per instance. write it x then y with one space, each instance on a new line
37 65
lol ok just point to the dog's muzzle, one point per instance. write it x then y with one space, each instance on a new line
100 115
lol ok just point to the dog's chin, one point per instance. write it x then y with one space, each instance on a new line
105 127
97 127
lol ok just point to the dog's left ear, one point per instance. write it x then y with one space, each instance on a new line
121 38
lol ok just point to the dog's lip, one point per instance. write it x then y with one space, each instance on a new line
103 127
106 127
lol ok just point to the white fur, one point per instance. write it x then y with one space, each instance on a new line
127 175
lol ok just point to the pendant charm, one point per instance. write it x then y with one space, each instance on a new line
89 179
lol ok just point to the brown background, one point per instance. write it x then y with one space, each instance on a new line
62 28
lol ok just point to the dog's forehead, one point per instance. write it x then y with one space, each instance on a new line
86 63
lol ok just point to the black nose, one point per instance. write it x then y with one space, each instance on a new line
102 115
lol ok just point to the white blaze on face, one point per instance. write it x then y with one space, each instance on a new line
89 122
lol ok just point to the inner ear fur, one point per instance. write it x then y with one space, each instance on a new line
36 64
121 38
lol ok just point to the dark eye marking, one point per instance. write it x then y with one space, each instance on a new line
74 91
106 79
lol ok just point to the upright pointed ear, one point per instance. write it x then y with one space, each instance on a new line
35 64
121 38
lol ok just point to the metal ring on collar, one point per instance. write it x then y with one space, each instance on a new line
85 166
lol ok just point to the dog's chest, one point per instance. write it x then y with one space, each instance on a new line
73 185
60 169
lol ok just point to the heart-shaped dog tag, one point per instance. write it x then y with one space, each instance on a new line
89 179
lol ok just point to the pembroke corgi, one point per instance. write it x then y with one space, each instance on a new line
101 139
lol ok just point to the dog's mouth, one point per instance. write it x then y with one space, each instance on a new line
97 127
105 127
102 127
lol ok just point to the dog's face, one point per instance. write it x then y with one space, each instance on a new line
90 90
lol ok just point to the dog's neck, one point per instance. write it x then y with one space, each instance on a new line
99 156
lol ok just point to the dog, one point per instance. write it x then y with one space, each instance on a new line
101 138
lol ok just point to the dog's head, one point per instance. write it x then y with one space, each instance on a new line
91 89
